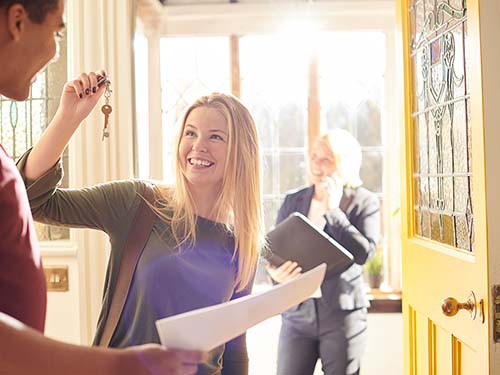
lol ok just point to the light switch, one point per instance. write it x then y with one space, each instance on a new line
57 278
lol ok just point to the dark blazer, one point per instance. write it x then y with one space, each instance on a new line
356 226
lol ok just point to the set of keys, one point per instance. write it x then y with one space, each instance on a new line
106 109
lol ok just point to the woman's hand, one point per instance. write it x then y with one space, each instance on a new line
285 272
80 96
334 189
77 100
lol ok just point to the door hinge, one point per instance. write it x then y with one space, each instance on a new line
496 312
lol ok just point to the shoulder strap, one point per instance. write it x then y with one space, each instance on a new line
138 235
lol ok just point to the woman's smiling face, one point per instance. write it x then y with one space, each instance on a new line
321 163
203 147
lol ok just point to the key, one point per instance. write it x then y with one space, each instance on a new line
106 109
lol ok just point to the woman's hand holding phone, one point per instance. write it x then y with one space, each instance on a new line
334 188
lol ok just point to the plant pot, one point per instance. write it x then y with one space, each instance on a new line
374 281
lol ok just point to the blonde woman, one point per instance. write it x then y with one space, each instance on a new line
203 245
331 328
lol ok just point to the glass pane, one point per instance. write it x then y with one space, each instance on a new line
448 194
459 139
268 173
293 171
463 240
448 230
426 224
424 191
371 171
271 207
291 120
418 222
423 144
461 194
369 125
435 227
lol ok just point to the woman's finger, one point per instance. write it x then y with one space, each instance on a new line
93 82
77 86
84 78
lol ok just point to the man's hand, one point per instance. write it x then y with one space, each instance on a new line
155 360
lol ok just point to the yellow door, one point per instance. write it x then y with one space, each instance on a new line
450 65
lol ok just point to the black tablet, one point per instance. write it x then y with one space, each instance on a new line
296 238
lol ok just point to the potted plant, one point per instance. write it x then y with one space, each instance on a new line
373 269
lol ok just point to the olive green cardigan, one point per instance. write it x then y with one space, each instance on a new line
110 207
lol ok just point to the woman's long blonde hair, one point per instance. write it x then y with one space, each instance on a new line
238 205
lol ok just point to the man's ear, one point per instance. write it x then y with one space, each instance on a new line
16 20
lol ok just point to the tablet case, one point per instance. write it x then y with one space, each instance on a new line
296 238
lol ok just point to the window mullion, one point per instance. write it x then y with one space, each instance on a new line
313 107
234 55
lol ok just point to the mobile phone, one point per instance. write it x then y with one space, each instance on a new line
102 80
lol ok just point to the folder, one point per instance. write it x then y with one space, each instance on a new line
208 327
297 239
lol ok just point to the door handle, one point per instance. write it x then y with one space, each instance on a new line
451 306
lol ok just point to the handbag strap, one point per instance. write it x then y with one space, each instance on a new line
138 235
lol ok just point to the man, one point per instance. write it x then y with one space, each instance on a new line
28 41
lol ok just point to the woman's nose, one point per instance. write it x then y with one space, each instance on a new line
199 145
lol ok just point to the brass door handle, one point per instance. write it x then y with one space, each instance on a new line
451 306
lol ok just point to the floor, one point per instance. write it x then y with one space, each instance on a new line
384 354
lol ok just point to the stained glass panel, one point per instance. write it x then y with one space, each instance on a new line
442 143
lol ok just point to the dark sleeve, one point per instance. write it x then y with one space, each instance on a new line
360 238
235 357
284 210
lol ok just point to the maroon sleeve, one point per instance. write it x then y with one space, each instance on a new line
23 291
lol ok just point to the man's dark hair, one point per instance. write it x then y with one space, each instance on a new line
37 9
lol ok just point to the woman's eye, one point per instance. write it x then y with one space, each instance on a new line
58 35
189 133
216 136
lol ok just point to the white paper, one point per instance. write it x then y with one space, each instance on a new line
205 329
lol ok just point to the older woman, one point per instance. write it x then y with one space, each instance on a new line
333 327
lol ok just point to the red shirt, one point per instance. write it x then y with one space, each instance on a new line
23 290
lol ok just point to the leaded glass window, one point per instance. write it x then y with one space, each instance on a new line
190 68
351 95
22 123
279 106
441 122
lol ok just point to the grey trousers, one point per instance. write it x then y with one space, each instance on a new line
337 338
